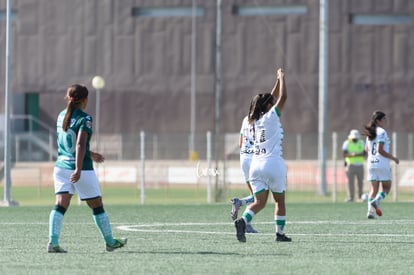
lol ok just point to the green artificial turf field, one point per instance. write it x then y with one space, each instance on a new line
328 238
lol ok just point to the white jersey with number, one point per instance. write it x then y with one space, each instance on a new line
268 135
246 132
375 159
247 147
268 168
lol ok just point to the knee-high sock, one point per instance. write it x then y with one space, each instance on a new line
380 196
247 200
280 222
248 215
102 222
55 224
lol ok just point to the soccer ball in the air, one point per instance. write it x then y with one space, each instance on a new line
364 197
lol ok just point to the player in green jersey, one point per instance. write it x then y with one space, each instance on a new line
74 171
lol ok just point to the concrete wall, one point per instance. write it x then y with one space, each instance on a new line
146 62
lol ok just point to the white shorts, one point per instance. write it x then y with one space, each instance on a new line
379 174
87 186
268 174
245 161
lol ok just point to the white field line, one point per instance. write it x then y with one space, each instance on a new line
169 227
343 222
347 234
159 224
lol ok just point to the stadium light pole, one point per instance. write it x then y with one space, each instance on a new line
98 84
217 90
7 150
323 91
193 153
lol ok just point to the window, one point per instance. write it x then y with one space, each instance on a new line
379 19
3 15
167 12
269 10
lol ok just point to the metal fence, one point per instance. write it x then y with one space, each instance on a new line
148 160
41 146
34 140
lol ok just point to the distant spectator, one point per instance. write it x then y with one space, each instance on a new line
354 151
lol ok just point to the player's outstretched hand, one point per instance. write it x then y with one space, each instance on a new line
96 157
280 73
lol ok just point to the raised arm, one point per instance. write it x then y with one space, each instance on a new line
280 91
275 90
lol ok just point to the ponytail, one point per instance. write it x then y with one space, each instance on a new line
259 106
371 127
68 115
75 95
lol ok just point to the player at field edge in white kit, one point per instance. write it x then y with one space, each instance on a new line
246 145
353 150
268 169
377 146
74 170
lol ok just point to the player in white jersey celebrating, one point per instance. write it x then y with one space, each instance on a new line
379 170
268 168
246 145
74 170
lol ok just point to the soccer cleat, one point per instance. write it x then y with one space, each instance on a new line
235 206
371 214
119 242
55 249
250 229
377 209
282 238
240 225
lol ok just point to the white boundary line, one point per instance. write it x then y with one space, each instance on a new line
154 228
159 224
342 222
168 227
362 222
